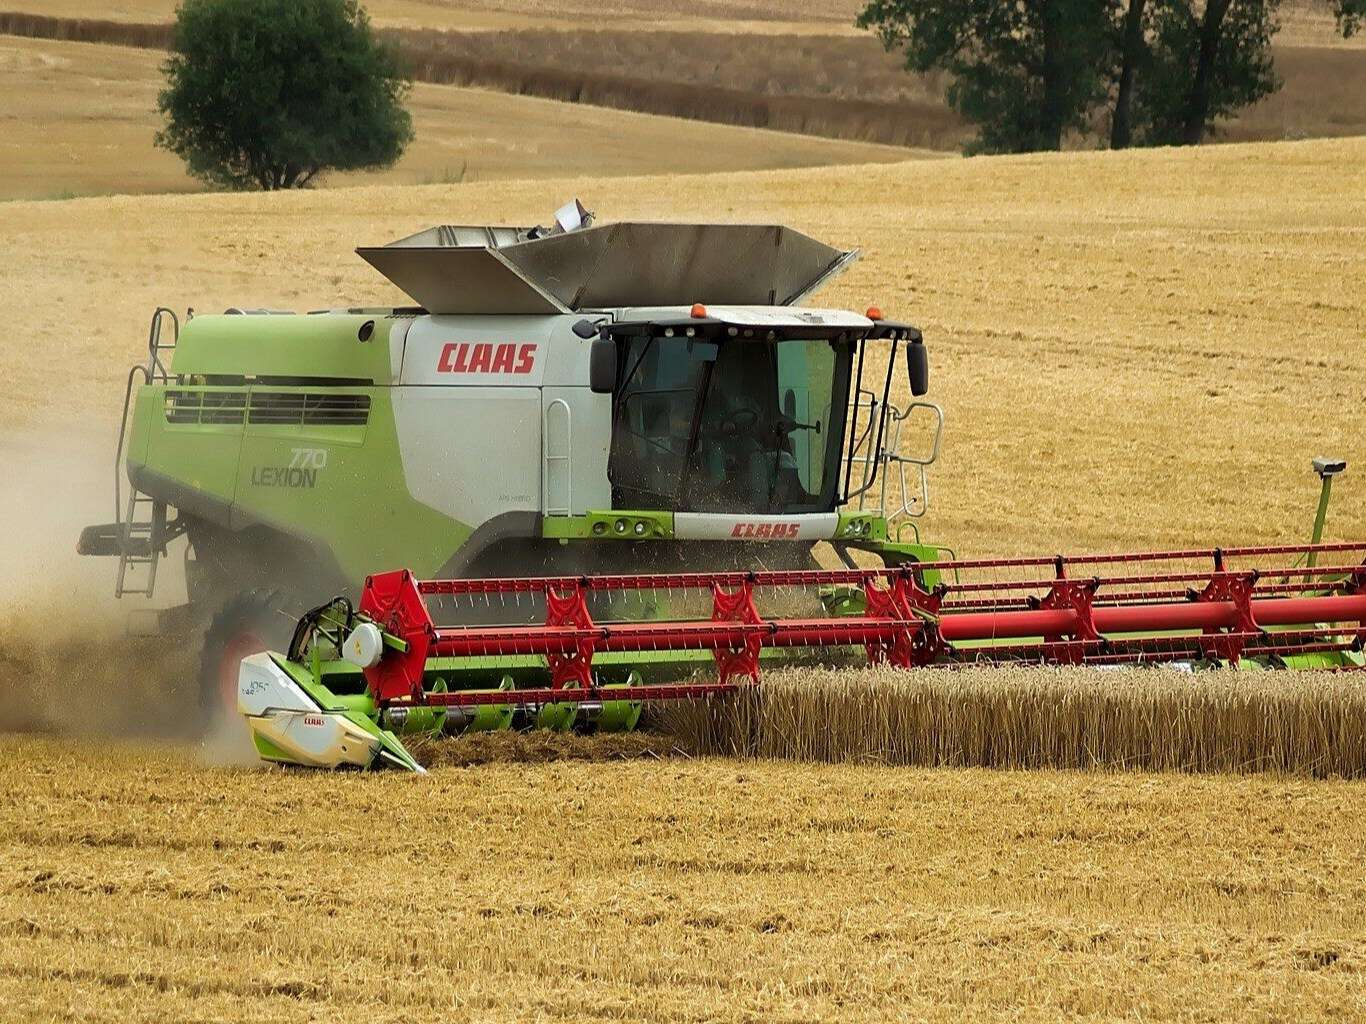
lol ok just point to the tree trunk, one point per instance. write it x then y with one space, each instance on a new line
1121 125
1054 84
1202 86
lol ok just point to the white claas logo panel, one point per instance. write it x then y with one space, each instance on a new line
718 526
482 358
450 350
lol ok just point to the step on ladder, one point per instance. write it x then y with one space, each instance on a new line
141 541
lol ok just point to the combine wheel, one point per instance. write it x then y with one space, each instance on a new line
248 623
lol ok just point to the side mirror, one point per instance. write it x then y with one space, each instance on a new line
918 365
602 366
585 329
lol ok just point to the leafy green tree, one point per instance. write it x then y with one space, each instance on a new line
1025 71
269 94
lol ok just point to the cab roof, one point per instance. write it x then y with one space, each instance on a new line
749 316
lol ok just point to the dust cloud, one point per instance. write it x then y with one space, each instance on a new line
73 660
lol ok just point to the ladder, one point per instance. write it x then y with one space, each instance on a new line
142 533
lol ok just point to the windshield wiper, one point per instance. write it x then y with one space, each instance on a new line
694 431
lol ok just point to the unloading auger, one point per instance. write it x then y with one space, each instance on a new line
356 679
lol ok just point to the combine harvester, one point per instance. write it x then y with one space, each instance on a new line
605 454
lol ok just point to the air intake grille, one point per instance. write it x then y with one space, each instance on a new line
213 407
267 408
309 409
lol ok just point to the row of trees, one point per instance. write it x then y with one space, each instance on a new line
264 94
1028 72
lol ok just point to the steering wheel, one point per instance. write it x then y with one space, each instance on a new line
738 421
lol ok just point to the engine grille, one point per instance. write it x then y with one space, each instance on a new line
266 408
208 407
309 409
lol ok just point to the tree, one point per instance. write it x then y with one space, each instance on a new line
1202 64
1183 65
264 94
1349 14
1026 72
1133 51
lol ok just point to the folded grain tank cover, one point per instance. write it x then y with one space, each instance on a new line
476 271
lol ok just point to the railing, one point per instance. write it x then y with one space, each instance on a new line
905 498
154 372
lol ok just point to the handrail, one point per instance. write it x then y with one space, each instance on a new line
155 369
566 458
913 505
123 430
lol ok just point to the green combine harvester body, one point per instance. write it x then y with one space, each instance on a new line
339 449
630 402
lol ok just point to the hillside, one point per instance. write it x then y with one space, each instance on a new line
719 64
1138 348
765 16
1304 22
79 119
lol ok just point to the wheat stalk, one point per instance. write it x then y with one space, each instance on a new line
1151 719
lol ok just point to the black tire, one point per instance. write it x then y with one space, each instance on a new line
252 621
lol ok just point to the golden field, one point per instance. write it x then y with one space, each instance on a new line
79 119
1027 717
1133 349
1304 22
140 886
476 15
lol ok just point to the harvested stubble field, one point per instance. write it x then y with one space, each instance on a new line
1134 349
140 886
